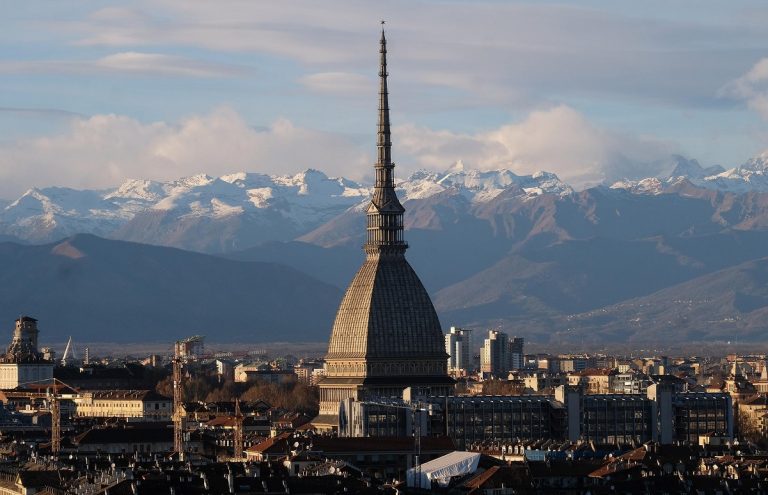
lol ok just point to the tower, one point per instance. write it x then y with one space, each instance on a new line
23 365
458 346
386 335
494 355
23 346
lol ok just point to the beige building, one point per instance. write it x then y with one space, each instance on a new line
15 375
263 373
594 380
134 405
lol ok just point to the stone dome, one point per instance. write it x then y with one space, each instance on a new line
386 313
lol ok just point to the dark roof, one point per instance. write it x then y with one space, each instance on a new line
125 435
330 445
546 469
292 420
498 476
94 373
36 479
272 445
274 484
143 395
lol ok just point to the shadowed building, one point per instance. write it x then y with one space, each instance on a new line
386 335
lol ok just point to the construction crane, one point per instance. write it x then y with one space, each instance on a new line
55 408
238 431
178 404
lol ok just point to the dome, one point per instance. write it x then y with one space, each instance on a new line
386 313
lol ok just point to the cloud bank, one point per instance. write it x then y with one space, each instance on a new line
103 150
751 87
558 140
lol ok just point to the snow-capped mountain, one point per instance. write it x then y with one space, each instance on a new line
51 213
751 176
236 210
480 186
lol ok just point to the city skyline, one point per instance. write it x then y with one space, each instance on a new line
193 88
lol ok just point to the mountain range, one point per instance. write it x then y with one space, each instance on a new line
100 290
661 259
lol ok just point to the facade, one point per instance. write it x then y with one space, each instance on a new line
505 419
263 373
386 335
617 419
190 348
499 354
569 364
663 415
467 420
538 381
23 365
594 380
458 346
494 355
630 382
697 414
135 405
305 369
391 418
516 354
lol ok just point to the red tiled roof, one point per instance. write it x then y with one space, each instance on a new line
271 445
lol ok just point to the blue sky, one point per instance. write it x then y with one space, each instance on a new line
93 93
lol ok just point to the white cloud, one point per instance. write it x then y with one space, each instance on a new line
752 87
126 62
558 140
103 150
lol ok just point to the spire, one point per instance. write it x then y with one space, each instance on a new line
383 143
385 213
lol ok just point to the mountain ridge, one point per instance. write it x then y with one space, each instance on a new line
105 290
494 249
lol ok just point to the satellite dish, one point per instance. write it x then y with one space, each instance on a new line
296 444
